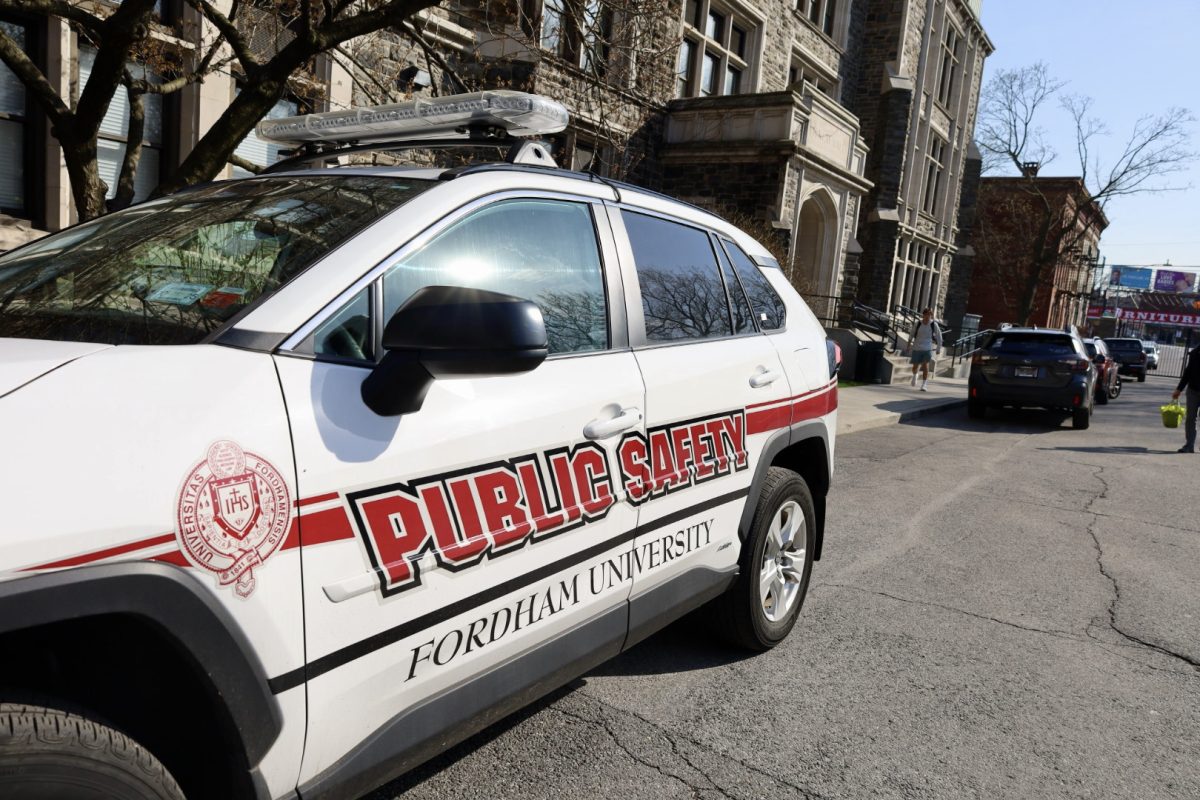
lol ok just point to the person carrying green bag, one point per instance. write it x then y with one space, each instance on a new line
1191 382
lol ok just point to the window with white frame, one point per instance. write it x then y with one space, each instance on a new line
948 66
935 166
916 275
714 58
821 13
14 132
579 31
590 155
114 132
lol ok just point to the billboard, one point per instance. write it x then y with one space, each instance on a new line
1166 280
1131 277
1158 307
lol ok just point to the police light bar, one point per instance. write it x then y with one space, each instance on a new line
517 113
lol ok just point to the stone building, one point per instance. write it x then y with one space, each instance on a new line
1016 280
836 130
916 94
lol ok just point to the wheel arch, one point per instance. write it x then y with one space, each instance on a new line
122 640
804 449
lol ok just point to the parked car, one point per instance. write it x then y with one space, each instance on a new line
317 473
1035 368
1151 350
1130 354
1108 379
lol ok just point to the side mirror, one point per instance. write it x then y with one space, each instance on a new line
452 332
1099 358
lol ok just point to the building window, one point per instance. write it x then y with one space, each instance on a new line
935 166
578 31
821 13
801 72
14 132
114 132
588 155
714 58
915 279
948 67
261 152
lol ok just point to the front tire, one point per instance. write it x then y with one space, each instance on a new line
761 607
47 754
1116 388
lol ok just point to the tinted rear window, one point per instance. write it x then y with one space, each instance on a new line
1032 344
1091 349
1123 344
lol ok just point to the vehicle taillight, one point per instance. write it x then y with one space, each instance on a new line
983 358
1075 364
834 352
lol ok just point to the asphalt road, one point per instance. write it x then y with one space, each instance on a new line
1004 609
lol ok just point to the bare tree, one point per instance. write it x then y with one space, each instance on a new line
266 44
1058 223
609 61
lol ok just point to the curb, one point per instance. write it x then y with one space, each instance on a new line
896 417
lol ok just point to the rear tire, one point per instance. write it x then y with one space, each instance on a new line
1081 418
1102 395
47 754
1142 376
761 607
976 409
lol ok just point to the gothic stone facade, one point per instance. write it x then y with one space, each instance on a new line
916 94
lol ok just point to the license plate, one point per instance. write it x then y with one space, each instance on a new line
1026 372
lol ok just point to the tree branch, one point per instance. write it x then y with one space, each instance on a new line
227 29
35 81
432 54
58 8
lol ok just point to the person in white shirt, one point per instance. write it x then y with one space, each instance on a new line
924 336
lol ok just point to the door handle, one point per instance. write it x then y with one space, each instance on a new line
603 428
764 378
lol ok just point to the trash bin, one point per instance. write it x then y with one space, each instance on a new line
870 363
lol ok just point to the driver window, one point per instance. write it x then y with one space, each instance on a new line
539 250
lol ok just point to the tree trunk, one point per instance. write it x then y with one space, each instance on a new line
87 187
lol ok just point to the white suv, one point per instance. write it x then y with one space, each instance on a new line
308 476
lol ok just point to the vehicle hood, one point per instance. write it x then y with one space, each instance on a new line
25 360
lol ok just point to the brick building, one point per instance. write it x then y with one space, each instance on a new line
1016 280
830 128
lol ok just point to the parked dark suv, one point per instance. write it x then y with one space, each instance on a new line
1131 355
1033 367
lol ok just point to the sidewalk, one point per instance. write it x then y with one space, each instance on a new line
861 408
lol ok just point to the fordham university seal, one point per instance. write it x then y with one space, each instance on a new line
232 514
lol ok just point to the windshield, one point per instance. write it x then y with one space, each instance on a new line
173 271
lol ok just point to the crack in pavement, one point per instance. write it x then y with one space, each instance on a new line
1116 596
603 724
1086 639
672 738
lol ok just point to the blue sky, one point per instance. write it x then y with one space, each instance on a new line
1132 58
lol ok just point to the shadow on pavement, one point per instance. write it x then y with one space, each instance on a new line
419 775
688 644
1004 420
1114 450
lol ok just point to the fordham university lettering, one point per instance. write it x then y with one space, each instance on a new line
465 516
557 596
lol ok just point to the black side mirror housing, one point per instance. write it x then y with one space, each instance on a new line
452 332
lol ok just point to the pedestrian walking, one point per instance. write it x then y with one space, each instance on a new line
1191 383
924 336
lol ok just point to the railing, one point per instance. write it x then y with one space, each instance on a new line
872 320
906 319
967 346
830 311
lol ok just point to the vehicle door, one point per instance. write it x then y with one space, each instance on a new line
715 391
442 543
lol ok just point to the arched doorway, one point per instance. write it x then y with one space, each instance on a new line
814 271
